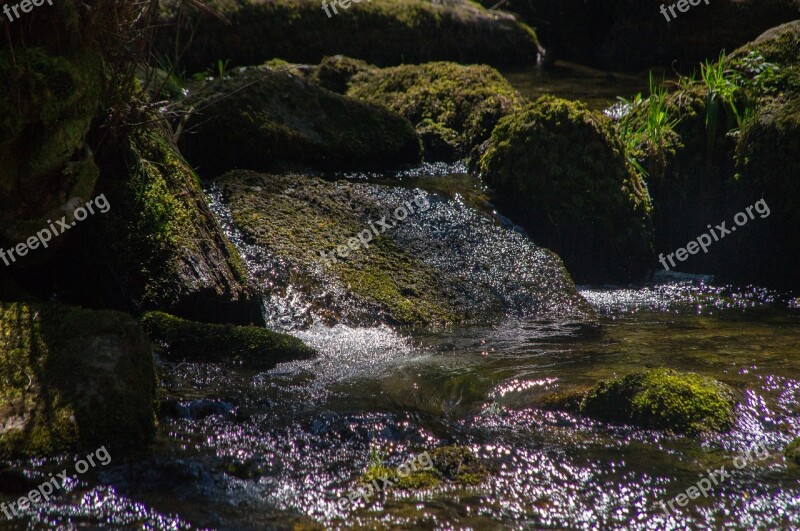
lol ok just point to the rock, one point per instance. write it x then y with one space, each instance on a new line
382 32
335 72
632 35
561 172
73 379
453 107
663 399
439 264
260 119
44 160
158 246
182 340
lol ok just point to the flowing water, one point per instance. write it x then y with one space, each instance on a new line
254 450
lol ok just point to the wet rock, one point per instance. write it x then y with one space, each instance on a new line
73 379
792 451
561 172
453 107
182 340
442 262
261 119
382 32
664 399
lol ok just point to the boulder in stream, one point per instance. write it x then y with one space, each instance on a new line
561 171
265 118
664 399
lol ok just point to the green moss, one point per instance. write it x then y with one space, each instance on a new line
383 32
263 119
447 102
335 72
72 379
162 240
664 399
298 217
49 105
561 171
255 346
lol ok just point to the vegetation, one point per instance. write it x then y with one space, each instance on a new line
558 169
182 340
450 104
663 399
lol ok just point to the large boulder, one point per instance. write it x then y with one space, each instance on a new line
453 107
156 246
561 172
72 380
361 253
382 32
261 119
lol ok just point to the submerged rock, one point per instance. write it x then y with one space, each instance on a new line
663 399
792 451
453 107
365 253
183 340
383 32
73 379
561 172
262 119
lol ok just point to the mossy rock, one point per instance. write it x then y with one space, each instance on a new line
664 399
792 451
295 218
44 120
183 340
261 119
382 32
159 247
450 104
335 72
453 464
560 171
73 379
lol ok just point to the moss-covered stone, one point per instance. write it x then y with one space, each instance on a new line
663 399
382 32
335 72
44 119
450 104
183 340
159 247
260 119
453 464
298 217
561 172
73 379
